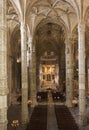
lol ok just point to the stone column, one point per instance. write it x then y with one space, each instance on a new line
24 74
3 66
69 72
9 101
82 95
88 81
32 74
88 75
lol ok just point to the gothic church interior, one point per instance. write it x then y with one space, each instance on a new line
44 61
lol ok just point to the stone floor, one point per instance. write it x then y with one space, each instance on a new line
75 113
14 113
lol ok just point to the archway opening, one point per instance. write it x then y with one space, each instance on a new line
14 66
49 71
50 57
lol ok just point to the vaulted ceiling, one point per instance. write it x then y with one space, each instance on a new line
67 10
49 37
48 20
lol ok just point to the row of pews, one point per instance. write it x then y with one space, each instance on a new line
38 120
42 96
57 96
65 119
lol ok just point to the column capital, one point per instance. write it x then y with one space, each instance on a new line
30 39
33 15
72 40
69 39
81 27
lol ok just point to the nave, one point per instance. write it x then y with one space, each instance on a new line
47 115
60 118
52 116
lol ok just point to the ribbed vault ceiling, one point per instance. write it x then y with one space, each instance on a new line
49 37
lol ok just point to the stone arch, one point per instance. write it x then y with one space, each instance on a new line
74 36
87 30
87 48
55 20
65 29
15 39
15 47
86 15
16 9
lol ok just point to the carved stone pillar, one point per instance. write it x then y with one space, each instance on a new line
24 74
69 72
9 101
88 75
82 95
3 66
88 81
32 74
